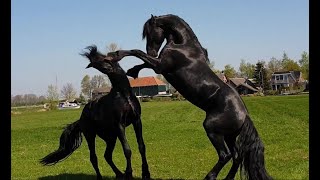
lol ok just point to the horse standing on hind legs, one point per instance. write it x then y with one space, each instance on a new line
106 117
182 61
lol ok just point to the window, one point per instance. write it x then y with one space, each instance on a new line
281 77
277 78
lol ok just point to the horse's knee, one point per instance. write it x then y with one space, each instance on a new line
207 125
93 158
236 158
127 153
225 156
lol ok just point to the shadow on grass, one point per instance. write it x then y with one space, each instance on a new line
87 177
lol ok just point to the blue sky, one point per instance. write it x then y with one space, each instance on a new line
47 36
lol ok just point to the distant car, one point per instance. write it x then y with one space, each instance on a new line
68 105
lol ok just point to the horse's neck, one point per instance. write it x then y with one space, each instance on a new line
178 31
120 83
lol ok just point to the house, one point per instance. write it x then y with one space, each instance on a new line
148 86
287 79
222 77
242 85
99 92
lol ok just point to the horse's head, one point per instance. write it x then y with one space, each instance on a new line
154 34
100 62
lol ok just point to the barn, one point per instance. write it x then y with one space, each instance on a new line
148 86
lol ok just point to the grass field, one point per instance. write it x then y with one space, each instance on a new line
176 143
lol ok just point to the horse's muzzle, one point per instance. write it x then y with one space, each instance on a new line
152 53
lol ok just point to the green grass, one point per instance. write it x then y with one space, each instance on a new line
177 145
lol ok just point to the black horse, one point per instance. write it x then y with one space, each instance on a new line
106 117
182 61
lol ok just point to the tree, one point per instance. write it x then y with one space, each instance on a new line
246 69
82 99
170 88
68 91
304 65
52 93
98 81
112 47
289 64
260 75
210 64
42 99
30 99
229 71
86 88
274 65
17 100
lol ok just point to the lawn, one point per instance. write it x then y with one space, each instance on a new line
176 143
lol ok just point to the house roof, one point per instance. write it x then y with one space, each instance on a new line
220 75
248 86
145 81
237 81
295 74
102 90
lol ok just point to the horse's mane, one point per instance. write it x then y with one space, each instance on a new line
176 19
93 53
146 28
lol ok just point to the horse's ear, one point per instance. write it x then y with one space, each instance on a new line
153 19
89 65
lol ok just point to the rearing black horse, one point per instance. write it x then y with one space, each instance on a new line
106 117
182 61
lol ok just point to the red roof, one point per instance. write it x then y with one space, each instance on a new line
145 81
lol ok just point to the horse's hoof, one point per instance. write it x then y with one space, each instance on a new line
99 177
131 72
146 176
128 176
120 176
210 178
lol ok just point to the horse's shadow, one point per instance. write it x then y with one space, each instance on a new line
81 176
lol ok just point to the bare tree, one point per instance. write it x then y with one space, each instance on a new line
16 100
86 88
68 91
112 47
30 99
98 81
52 93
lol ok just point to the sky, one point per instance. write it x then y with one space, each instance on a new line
48 36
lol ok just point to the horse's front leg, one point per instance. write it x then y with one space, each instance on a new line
149 61
134 71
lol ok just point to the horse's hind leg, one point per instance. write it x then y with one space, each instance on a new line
90 137
111 142
126 150
142 149
231 140
218 142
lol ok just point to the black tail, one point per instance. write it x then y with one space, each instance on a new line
251 151
70 140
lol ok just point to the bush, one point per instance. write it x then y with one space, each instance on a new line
271 92
161 99
52 105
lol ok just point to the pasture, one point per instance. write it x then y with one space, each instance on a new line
176 143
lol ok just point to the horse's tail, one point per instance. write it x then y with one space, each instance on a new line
251 151
70 140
